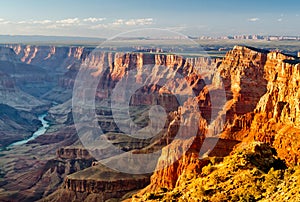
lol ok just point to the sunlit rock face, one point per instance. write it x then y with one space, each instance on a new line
262 91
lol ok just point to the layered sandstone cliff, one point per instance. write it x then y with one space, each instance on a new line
266 100
262 91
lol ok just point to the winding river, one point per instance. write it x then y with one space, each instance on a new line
40 131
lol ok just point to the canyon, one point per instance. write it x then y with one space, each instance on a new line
250 95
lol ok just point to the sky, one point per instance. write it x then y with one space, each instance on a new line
105 18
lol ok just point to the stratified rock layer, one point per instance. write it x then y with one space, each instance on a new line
269 105
262 91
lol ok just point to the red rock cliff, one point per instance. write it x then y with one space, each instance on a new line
262 91
263 88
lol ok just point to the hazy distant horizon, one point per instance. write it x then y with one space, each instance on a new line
11 37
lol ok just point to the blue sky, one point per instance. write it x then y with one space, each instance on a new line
108 17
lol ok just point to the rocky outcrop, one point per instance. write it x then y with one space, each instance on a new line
277 114
242 73
234 178
281 103
268 107
190 163
260 87
73 153
98 182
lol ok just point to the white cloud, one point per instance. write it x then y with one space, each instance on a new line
22 22
93 19
43 22
253 19
118 22
72 26
141 21
123 22
3 21
279 20
98 26
68 21
51 26
131 22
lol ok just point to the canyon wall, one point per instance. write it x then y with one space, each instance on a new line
56 57
262 91
266 100
11 72
62 64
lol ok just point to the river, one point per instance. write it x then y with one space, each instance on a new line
38 132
